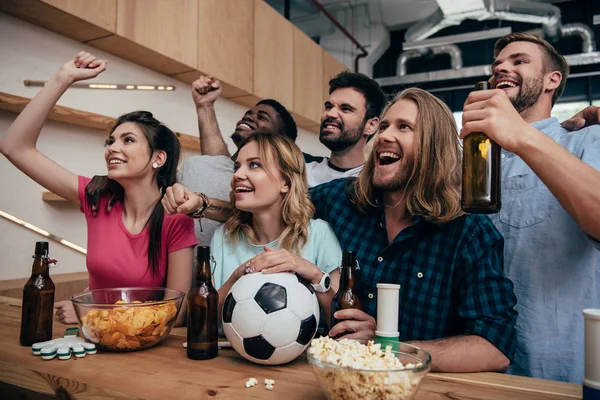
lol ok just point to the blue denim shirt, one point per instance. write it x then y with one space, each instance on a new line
554 265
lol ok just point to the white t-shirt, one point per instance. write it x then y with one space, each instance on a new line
320 170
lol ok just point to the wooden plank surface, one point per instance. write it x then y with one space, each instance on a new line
226 43
50 197
66 285
331 67
183 39
102 13
169 27
273 55
55 19
9 102
308 78
165 372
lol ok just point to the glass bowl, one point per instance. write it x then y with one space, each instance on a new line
365 384
127 319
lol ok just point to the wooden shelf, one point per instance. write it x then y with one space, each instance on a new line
9 102
230 39
50 197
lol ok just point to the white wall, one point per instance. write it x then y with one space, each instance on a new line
30 52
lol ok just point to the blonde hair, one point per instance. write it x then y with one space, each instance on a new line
434 188
279 153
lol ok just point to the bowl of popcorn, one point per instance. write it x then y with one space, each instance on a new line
127 319
363 370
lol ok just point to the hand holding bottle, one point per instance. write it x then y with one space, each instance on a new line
354 324
491 112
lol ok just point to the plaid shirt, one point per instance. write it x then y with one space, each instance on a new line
451 275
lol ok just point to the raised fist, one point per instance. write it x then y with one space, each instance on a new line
205 91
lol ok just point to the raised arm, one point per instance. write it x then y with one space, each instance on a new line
573 182
205 91
179 200
19 142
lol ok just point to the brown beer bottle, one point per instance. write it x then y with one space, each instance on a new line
38 300
481 193
203 306
346 296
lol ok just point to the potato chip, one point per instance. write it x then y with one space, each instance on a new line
123 328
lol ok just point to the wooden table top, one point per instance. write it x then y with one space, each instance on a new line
165 372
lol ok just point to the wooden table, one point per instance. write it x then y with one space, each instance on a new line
164 372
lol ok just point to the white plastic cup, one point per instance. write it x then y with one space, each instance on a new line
388 302
591 380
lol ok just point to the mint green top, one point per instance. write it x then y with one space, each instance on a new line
322 249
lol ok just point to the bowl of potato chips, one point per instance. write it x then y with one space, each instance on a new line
127 319
364 370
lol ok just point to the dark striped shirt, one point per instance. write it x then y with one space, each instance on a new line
451 274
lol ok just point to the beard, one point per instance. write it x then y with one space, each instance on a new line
529 94
399 180
347 137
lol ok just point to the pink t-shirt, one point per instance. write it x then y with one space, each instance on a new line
117 258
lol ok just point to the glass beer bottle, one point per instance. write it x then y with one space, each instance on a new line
203 306
38 300
481 193
346 296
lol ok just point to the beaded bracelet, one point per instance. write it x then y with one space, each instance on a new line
199 213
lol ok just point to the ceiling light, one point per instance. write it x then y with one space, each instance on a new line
104 86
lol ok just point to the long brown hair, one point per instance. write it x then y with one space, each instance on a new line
279 153
159 137
434 187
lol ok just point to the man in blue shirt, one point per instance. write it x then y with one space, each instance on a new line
550 215
403 219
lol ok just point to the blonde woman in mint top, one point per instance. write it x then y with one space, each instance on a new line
134 244
271 227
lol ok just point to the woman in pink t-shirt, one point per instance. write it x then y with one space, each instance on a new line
135 244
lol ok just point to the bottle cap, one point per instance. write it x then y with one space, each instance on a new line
203 253
41 248
482 85
348 259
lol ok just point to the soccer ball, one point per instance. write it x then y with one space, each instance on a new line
270 318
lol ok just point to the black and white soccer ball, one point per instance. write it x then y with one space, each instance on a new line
270 318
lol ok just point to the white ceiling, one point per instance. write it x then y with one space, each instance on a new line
385 11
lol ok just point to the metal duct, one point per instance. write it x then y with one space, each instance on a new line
583 31
452 50
473 72
403 59
525 11
510 10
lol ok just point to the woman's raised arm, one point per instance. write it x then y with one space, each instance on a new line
19 142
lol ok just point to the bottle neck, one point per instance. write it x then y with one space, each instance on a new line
348 277
40 266
203 273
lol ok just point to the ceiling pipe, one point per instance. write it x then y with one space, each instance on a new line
403 59
452 50
345 32
510 10
583 31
